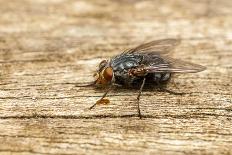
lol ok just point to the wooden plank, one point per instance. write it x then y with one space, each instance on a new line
116 135
46 47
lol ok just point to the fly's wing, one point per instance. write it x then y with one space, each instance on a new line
158 47
171 65
156 60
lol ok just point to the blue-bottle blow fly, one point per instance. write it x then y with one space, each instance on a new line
148 64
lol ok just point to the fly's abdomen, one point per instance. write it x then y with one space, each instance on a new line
158 78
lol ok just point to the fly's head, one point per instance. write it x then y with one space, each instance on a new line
104 74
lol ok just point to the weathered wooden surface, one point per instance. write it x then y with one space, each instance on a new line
48 46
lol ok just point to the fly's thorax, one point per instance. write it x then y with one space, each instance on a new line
126 61
105 73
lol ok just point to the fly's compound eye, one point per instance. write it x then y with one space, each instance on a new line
108 74
102 64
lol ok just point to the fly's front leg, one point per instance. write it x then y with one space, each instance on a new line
103 96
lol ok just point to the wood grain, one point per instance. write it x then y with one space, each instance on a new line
46 47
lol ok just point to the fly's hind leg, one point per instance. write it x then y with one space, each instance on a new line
174 84
162 88
138 97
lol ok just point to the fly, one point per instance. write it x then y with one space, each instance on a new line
148 64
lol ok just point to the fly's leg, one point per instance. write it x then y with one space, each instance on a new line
103 96
138 97
168 91
174 83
